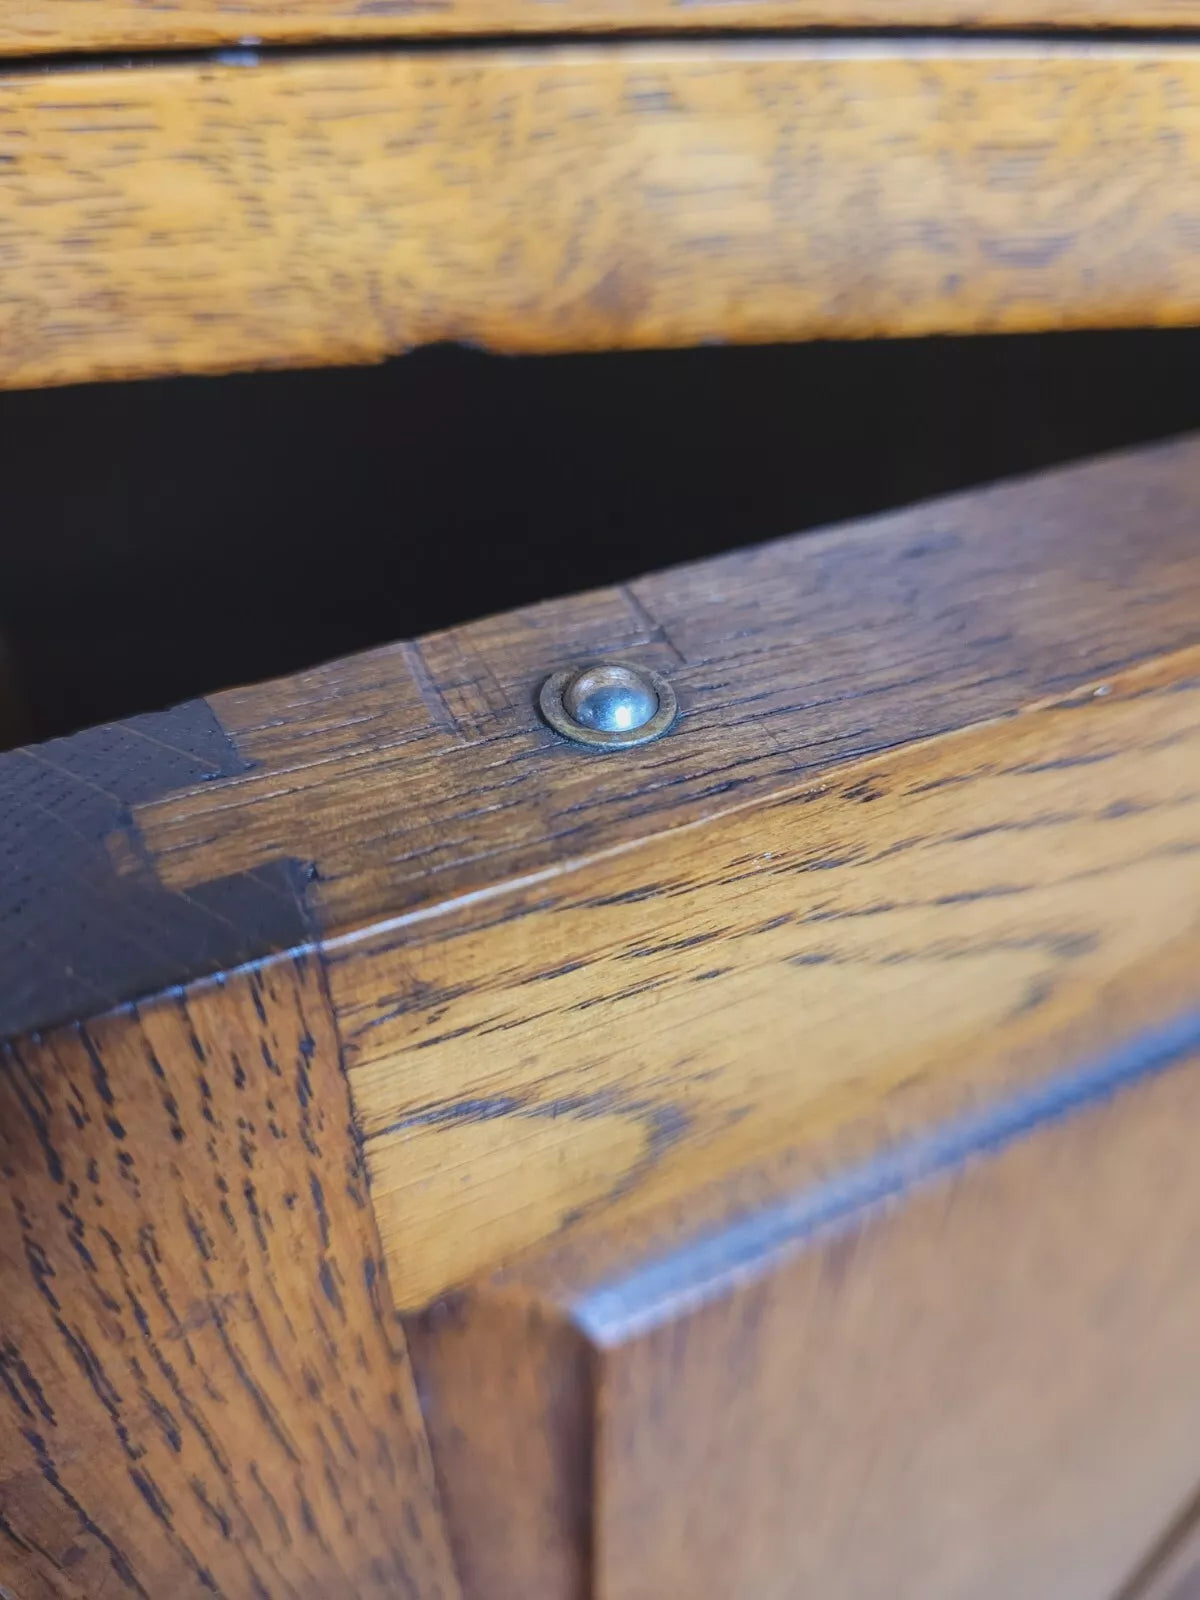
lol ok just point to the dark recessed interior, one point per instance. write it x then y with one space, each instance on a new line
169 538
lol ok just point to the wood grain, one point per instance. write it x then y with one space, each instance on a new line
625 1030
892 940
62 25
209 216
368 793
949 1359
543 964
416 775
202 1390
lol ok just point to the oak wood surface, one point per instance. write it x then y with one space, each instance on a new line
207 216
956 1363
363 796
61 25
576 982
653 1017
921 855
414 776
202 1389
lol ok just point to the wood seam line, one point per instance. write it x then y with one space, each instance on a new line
325 945
381 1257
1187 658
838 41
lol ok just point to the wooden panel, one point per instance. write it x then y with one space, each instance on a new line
207 216
202 1389
955 1365
651 1018
903 911
544 964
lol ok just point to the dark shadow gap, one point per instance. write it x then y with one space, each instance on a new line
168 538
251 51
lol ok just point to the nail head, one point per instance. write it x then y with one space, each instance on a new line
608 705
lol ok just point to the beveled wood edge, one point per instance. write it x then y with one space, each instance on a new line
614 1284
614 1281
395 255
144 874
513 1361
590 1286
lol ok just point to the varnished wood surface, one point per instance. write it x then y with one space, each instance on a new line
624 1031
955 1366
575 982
208 216
202 1390
411 777
894 935
386 786
61 25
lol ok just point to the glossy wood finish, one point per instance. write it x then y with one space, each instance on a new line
942 1365
202 1390
546 967
409 779
891 940
589 1039
619 1034
206 216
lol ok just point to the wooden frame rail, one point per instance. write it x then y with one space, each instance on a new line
211 215
839 1048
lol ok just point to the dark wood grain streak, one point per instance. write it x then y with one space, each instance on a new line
609 1038
789 659
403 787
834 1055
943 1355
202 1390
30 27
247 212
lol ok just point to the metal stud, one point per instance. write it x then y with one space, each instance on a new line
608 705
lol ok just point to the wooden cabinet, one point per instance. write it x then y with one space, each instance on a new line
441 1159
